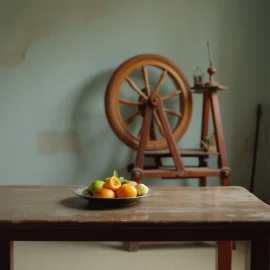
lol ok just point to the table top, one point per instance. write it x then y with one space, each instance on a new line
38 204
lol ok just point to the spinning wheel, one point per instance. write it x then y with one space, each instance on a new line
158 135
146 97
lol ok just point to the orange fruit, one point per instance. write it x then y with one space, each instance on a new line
113 183
126 191
104 193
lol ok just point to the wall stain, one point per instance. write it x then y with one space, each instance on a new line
56 142
23 22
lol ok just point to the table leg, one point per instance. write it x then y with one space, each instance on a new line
224 255
259 257
203 182
6 255
247 255
133 246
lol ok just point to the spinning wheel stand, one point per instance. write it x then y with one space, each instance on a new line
151 108
155 103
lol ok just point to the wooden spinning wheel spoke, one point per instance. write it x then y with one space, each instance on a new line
174 113
146 81
160 127
135 87
161 81
132 118
172 94
130 102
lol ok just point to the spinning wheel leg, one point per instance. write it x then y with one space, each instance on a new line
223 160
205 115
203 180
133 246
136 176
170 139
204 132
158 162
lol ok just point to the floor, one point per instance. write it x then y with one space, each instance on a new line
70 256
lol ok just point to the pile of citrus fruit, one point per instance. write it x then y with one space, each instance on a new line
115 187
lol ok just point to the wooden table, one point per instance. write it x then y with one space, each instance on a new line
172 214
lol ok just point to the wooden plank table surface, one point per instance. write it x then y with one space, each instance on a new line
39 213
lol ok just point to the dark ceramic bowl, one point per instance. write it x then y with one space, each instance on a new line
109 203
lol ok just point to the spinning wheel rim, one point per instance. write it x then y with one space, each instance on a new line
112 104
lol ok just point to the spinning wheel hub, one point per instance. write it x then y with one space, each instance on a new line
155 100
152 101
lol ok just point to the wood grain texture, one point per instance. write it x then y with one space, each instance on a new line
34 213
168 205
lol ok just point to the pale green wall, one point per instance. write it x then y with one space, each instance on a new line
60 84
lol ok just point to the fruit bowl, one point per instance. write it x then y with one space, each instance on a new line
109 202
113 191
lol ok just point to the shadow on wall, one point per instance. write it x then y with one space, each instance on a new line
101 152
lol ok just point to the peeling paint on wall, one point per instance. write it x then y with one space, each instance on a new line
23 22
55 142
